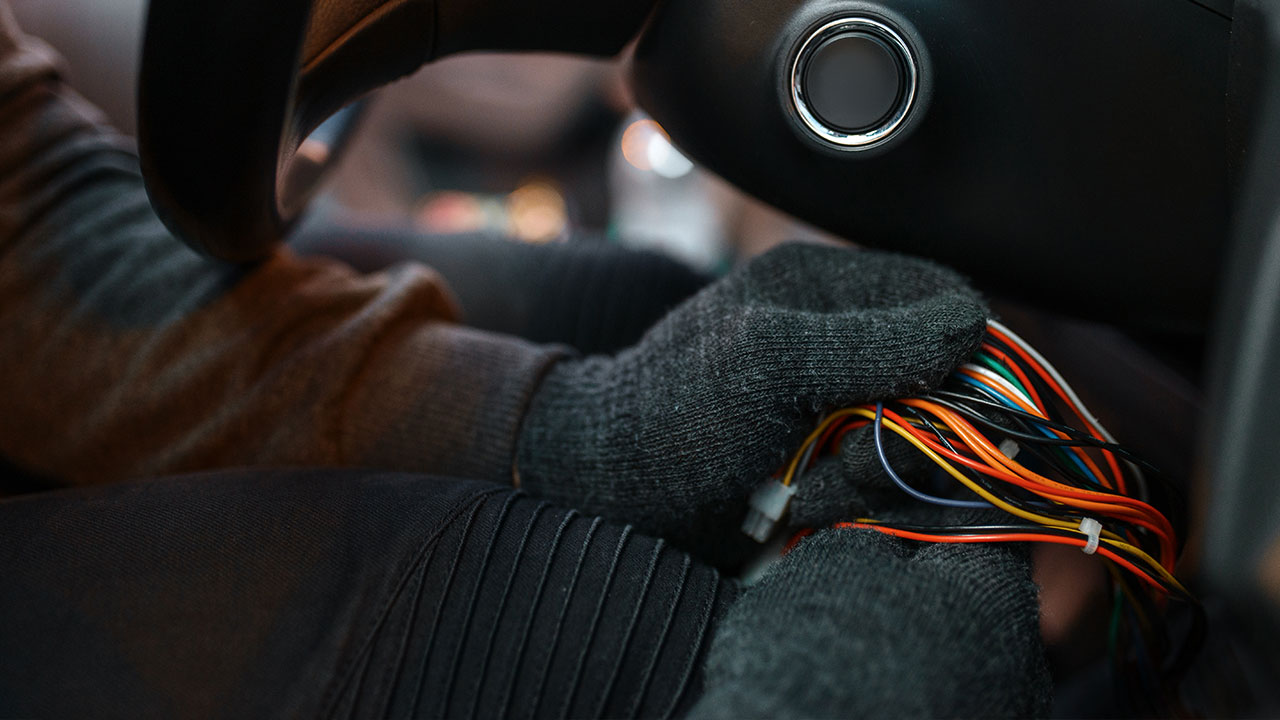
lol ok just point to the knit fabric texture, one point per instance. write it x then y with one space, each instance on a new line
672 433
888 628
854 483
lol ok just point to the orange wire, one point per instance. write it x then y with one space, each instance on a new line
1084 457
1120 512
1000 473
1057 389
1016 369
988 452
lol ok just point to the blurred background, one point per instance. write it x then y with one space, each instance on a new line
537 148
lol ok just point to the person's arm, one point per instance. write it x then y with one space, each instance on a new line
123 353
593 296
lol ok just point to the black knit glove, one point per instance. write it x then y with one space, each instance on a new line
853 623
673 433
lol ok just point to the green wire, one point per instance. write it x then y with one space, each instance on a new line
991 362
1000 368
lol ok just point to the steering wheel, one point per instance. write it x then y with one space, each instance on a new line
1069 154
231 91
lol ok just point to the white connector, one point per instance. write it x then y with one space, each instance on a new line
769 503
1010 448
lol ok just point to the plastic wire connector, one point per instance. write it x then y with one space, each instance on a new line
1093 529
768 504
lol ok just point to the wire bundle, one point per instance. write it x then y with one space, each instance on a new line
1013 435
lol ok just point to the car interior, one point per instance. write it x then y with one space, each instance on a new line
1107 172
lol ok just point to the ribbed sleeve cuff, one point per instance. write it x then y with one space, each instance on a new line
447 400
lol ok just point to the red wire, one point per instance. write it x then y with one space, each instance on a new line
841 427
795 540
1134 510
1005 537
1127 503
1057 389
1079 452
849 427
1117 479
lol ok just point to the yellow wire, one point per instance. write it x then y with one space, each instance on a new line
953 472
1150 561
813 437
950 420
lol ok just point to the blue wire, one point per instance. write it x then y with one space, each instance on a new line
1043 430
884 460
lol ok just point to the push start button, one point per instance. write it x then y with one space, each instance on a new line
854 82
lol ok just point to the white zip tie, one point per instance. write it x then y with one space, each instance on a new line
1093 529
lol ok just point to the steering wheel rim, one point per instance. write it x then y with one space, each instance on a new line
227 99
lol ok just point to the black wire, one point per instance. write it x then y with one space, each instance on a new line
1029 440
1024 499
1067 470
907 409
1079 438
1065 466
991 400
1173 503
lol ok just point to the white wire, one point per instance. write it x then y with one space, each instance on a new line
1053 372
1003 382
1089 417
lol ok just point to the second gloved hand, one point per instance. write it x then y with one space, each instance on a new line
672 434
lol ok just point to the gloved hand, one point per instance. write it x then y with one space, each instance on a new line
853 623
673 433
853 484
